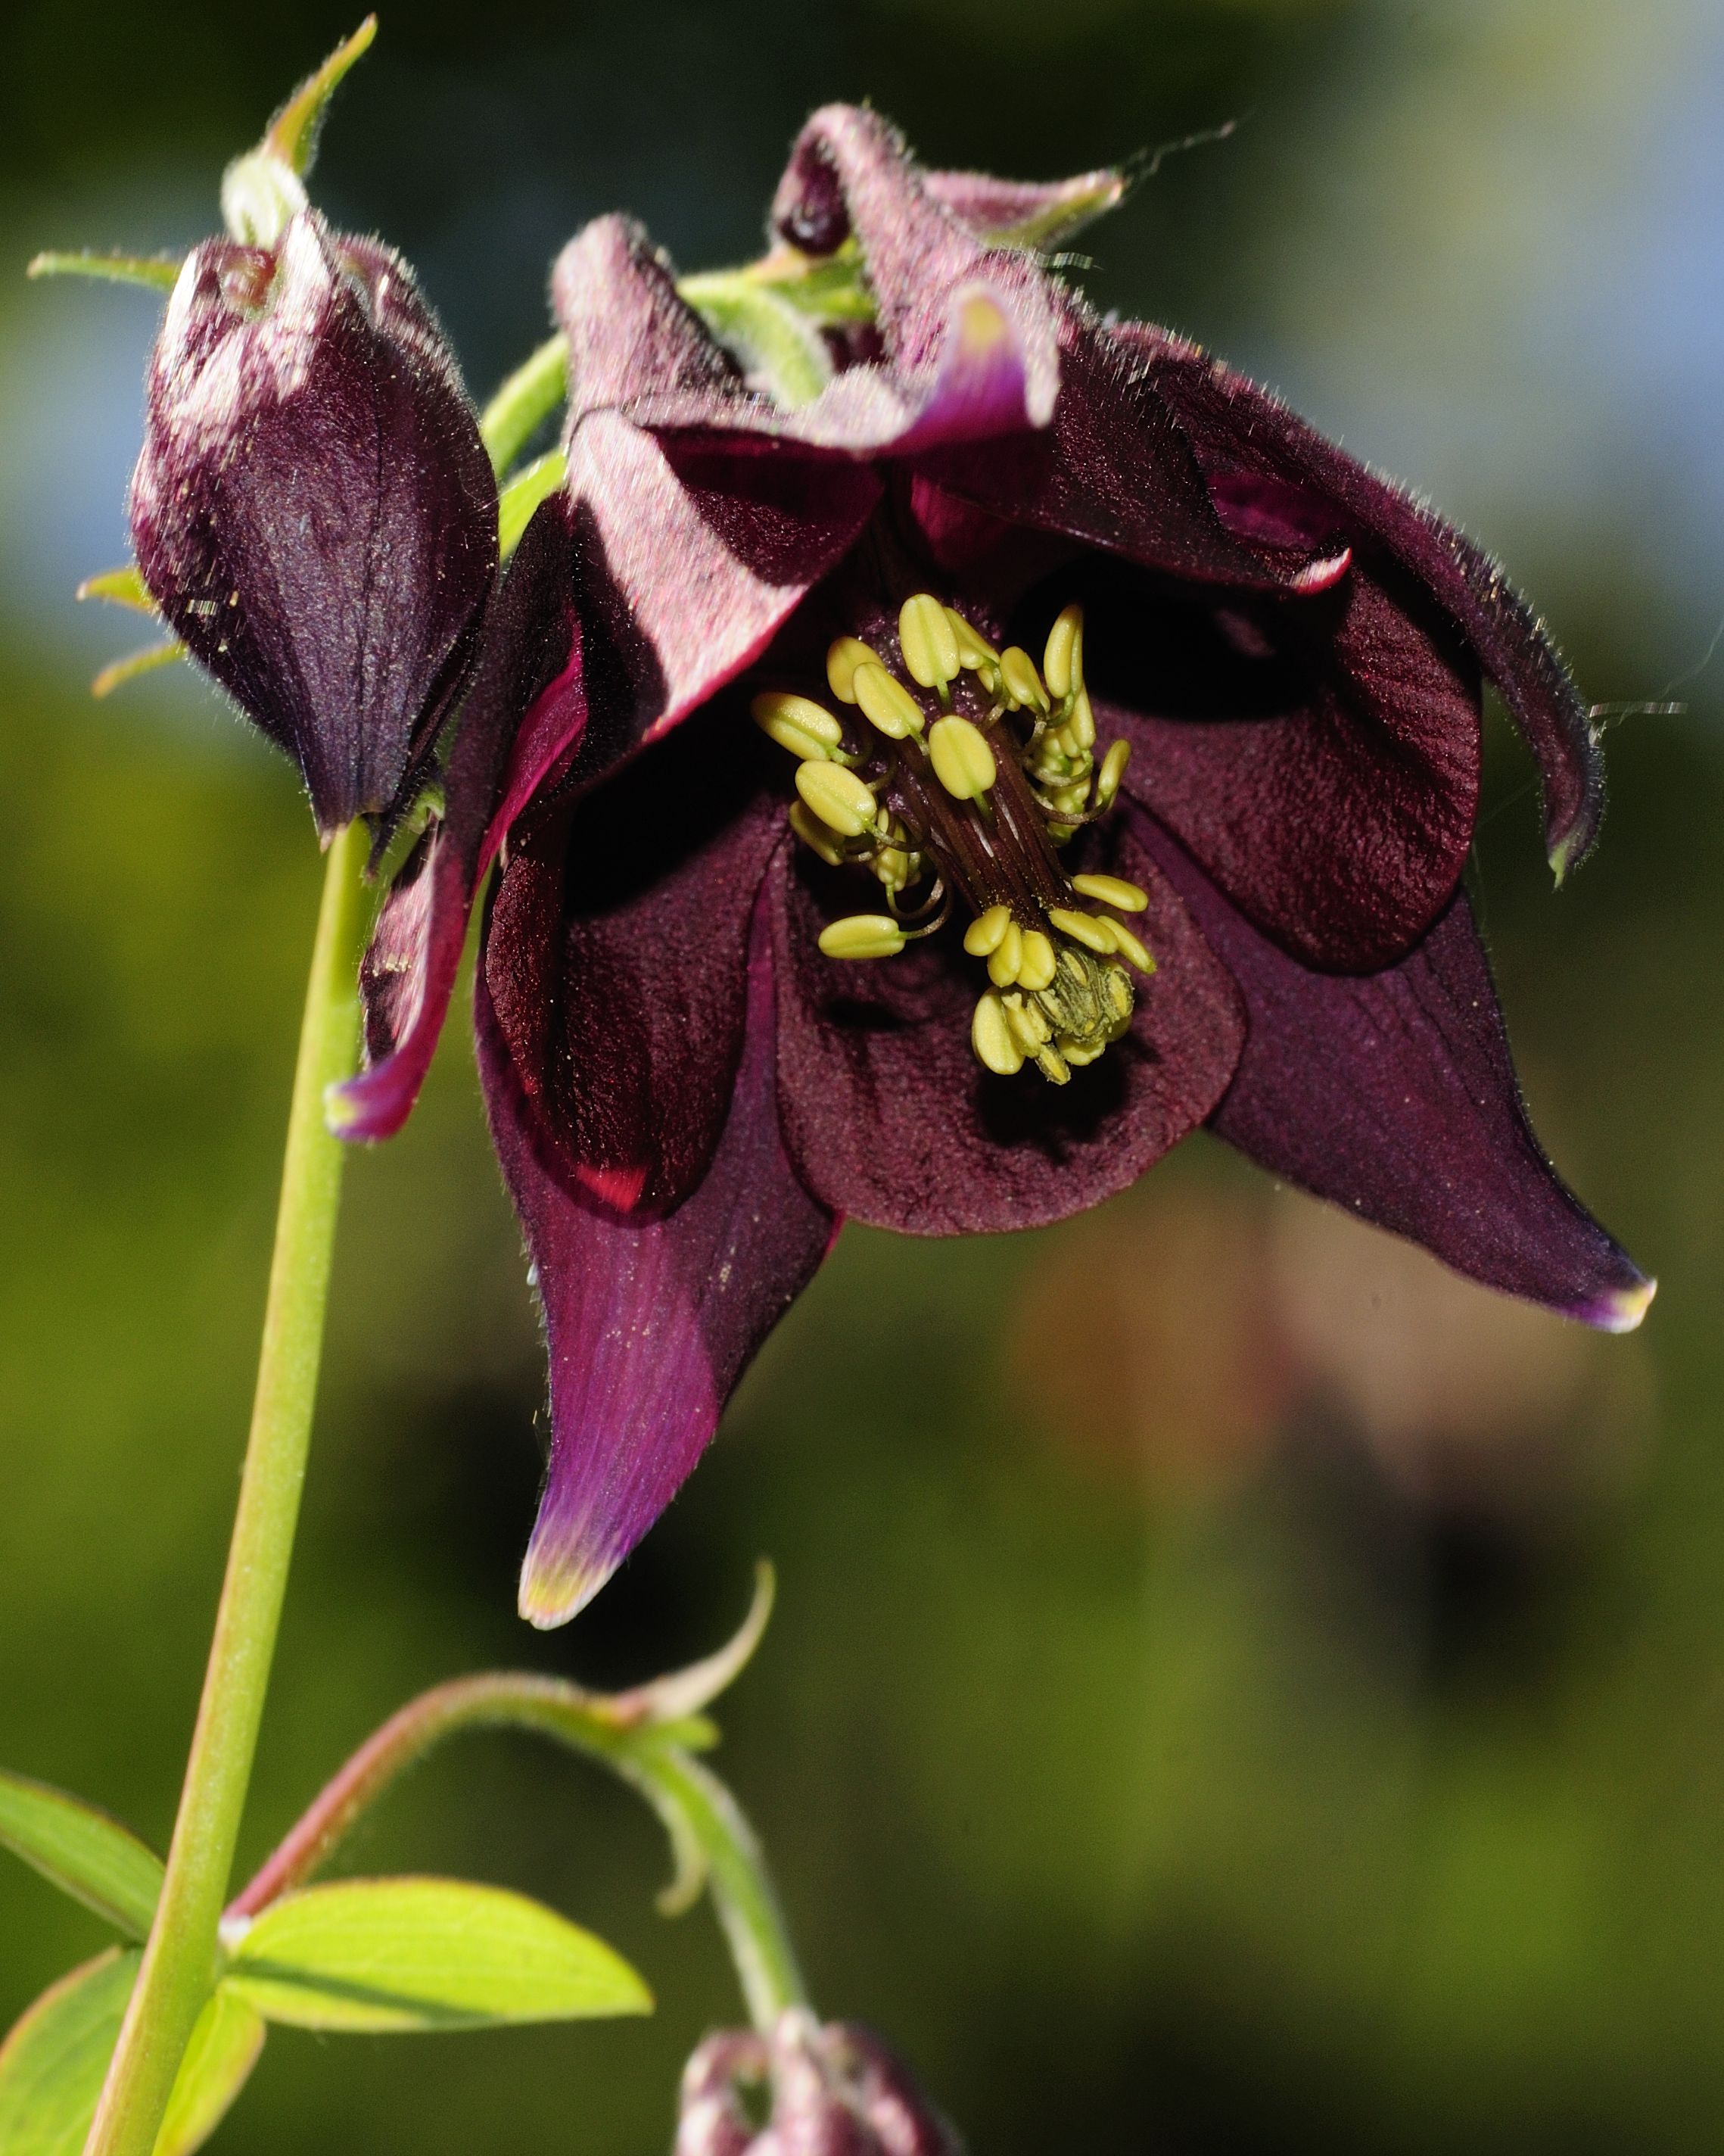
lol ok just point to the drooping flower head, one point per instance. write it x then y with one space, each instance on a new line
313 511
930 798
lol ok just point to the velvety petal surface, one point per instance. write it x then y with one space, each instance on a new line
1112 469
1320 758
1241 433
1035 214
1393 1095
651 1321
527 695
889 1116
313 510
616 961
986 363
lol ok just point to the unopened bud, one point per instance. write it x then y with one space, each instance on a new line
313 510
829 2090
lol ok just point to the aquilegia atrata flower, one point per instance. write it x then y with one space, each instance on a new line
313 510
1038 745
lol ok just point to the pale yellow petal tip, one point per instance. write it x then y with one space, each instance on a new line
981 324
554 1589
1623 1310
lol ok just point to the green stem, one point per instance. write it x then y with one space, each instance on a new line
714 1843
179 1961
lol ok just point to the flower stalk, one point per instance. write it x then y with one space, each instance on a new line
647 1736
179 1961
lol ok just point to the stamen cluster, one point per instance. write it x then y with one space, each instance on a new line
939 801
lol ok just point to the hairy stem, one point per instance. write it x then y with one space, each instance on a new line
179 1961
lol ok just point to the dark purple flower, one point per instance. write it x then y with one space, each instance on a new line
830 2090
313 510
1200 864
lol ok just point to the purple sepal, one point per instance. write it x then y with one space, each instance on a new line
1036 213
528 688
1393 1095
313 510
650 1322
1244 435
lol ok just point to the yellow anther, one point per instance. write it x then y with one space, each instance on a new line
862 935
1063 661
1020 681
1052 1065
799 725
885 702
837 796
1081 726
1029 1028
1075 1053
841 660
1118 991
1111 890
963 762
1006 957
1038 966
1113 770
814 834
991 1037
971 651
928 641
985 932
1082 928
1130 949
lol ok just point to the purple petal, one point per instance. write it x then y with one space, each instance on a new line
989 364
1115 472
1241 433
616 961
530 664
630 333
889 1116
1321 760
689 568
313 510
850 175
1393 1095
650 1323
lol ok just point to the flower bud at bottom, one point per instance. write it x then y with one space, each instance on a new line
830 2090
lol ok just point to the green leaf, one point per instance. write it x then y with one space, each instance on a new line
85 1853
424 1954
53 2064
522 496
538 387
134 663
160 271
292 134
218 2064
777 344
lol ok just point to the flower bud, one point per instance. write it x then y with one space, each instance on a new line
807 2090
313 510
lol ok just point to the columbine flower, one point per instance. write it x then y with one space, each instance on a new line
829 2091
313 511
1038 745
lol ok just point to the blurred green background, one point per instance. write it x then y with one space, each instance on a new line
1233 1689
